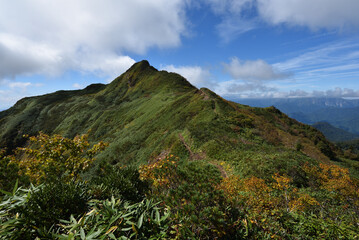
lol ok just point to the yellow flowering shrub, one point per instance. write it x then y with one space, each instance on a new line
51 157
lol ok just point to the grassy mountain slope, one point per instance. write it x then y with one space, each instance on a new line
334 134
146 113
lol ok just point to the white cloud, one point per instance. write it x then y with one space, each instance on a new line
22 85
240 16
11 91
234 19
331 62
49 37
22 56
109 65
311 13
221 7
315 69
273 93
77 86
8 98
254 71
6 83
196 75
231 87
231 27
337 92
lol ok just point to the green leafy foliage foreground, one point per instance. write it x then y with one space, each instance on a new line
172 198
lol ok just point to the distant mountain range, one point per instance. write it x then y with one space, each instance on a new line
339 112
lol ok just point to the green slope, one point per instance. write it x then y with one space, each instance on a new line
146 113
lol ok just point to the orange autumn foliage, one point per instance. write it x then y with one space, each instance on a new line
262 197
161 172
253 191
335 178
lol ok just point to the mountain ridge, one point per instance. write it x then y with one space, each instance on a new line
145 112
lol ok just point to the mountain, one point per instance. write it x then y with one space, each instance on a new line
339 112
182 163
334 134
145 114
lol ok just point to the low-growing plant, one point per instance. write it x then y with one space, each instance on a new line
35 212
12 224
118 219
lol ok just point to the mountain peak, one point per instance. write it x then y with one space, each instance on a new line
143 63
140 66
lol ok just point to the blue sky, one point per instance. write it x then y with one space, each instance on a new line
237 48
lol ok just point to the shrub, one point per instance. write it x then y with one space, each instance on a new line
13 225
9 172
54 201
120 182
52 157
199 209
34 212
117 219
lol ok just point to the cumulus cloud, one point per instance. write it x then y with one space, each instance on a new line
109 65
196 75
22 56
239 16
53 36
311 13
255 71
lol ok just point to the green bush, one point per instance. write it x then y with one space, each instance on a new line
199 209
34 212
13 225
117 219
120 182
55 201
